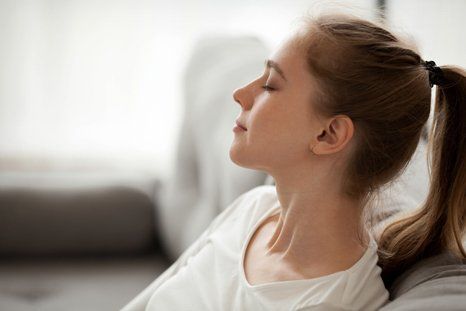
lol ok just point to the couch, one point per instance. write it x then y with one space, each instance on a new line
72 241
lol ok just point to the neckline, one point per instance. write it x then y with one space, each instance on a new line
246 283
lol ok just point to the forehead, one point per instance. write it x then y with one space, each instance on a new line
290 58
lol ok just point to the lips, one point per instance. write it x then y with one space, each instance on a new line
241 126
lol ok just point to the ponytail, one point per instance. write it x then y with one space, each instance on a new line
439 223
385 90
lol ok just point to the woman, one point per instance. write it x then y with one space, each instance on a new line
336 115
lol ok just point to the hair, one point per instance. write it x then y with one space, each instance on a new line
365 72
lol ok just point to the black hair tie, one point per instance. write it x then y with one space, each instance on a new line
435 73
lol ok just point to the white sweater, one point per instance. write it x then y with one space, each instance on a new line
209 275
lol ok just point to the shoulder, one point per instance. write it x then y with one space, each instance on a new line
262 197
270 189
263 190
254 202
366 289
256 194
247 207
259 196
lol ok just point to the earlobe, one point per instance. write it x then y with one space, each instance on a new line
313 145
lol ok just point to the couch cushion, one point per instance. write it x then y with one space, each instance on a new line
435 283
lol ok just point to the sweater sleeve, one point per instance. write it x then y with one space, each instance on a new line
140 301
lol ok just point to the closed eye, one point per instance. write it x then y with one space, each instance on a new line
267 88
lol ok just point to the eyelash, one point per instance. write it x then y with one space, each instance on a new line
267 88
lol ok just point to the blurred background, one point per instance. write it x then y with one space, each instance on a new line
110 161
93 84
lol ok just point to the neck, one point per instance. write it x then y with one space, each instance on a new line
316 226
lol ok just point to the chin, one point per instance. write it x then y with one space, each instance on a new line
240 158
234 157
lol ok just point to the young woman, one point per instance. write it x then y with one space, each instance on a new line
337 114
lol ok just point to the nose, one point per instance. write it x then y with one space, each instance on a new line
240 96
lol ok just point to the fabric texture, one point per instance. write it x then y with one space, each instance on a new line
435 283
210 274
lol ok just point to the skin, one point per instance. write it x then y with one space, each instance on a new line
316 231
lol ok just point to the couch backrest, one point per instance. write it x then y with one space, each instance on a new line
435 283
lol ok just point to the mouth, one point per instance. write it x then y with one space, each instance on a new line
241 126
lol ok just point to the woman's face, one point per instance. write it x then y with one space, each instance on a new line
276 109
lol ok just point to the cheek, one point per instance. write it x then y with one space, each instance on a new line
267 118
277 123
285 110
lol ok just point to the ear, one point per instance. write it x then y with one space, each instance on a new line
334 136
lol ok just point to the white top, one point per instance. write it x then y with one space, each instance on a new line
210 275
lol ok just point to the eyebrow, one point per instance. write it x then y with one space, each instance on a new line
271 64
